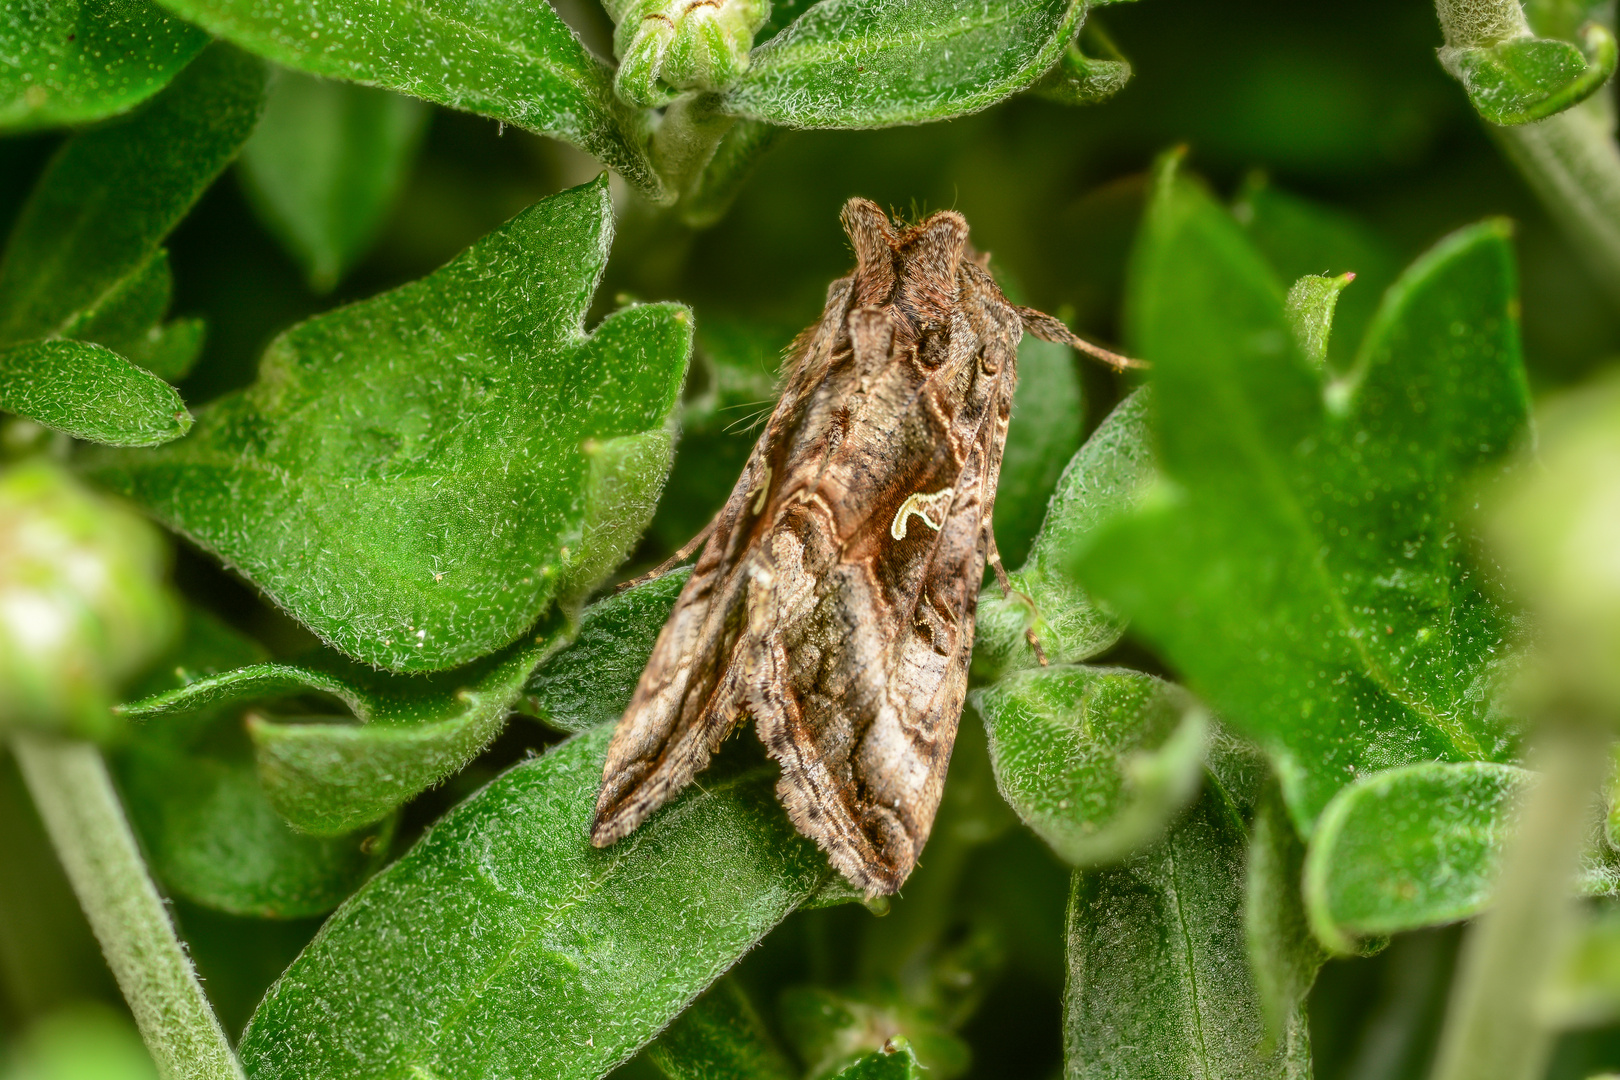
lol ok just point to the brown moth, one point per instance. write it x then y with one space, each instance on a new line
834 600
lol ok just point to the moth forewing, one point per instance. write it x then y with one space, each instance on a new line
834 602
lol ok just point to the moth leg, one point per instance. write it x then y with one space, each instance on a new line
674 560
1008 592
1047 328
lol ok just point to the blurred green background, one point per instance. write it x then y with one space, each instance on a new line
1342 104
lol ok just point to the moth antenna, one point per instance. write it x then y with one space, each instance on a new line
674 560
1035 644
873 240
1047 328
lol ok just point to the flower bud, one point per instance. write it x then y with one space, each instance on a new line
666 46
83 603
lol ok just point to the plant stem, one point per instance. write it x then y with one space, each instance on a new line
1571 162
686 138
76 800
1492 1028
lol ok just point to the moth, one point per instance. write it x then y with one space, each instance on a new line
834 599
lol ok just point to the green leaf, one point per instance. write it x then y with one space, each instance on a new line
112 194
1105 478
128 319
1310 305
325 166
1302 566
517 62
503 944
419 476
1081 79
721 1037
896 1064
1530 78
1283 956
1095 760
90 393
1585 989
591 681
206 825
74 61
1158 985
330 777
82 1041
874 63
844 1034
1048 423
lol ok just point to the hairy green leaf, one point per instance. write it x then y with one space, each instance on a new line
504 944
419 476
590 682
1530 78
1310 305
896 1064
90 393
1082 79
721 1037
873 63
1048 422
73 61
1105 478
325 165
1095 760
1302 565
834 1032
112 194
332 776
518 62
1283 956
128 319
1158 985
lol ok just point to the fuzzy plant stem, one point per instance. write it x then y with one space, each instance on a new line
76 799
1570 160
1493 1030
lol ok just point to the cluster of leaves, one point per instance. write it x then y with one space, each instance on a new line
434 481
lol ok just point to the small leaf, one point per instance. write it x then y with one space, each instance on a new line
112 194
721 1037
74 61
128 319
515 61
1157 983
1418 846
1095 760
1529 78
717 186
1283 956
90 393
1310 304
325 165
503 944
590 682
419 476
1048 423
1302 566
840 1034
873 63
1585 989
1106 477
896 1064
333 777
1082 79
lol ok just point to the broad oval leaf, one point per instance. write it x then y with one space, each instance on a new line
74 61
330 777
1157 985
1103 480
419 476
503 944
1095 760
325 165
1303 567
874 63
509 59
110 196
90 393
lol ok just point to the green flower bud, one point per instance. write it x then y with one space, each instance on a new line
83 604
666 46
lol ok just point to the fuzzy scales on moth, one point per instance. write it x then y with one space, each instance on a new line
834 600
